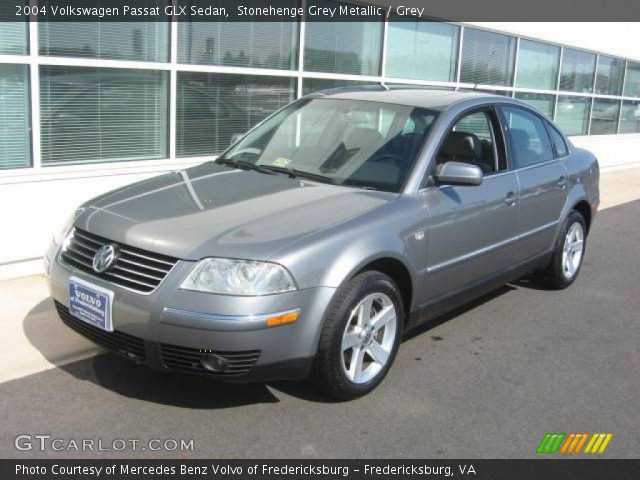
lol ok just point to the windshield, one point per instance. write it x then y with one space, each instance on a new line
346 142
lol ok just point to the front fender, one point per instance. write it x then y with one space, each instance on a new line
332 256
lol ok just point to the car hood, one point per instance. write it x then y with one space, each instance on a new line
214 210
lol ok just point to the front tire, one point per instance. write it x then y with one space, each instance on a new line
568 254
360 337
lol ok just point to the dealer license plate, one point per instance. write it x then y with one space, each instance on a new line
90 303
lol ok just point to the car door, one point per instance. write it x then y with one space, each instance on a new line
542 179
471 228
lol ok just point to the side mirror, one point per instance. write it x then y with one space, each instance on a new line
458 173
236 137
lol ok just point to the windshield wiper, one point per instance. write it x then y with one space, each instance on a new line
293 173
271 170
243 165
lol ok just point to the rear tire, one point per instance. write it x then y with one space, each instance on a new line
360 337
568 254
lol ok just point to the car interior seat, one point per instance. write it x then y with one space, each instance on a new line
522 147
463 147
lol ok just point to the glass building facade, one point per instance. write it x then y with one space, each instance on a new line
78 93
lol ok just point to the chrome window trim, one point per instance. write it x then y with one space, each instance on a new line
535 165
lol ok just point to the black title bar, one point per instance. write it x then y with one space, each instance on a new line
317 10
537 469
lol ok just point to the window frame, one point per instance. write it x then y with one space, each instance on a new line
487 114
532 107
102 39
303 43
551 127
560 97
591 75
618 92
499 146
183 52
556 73
30 164
510 71
25 41
47 150
219 79
613 102
622 121
455 52
503 120
36 60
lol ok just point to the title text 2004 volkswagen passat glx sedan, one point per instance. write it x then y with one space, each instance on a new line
327 231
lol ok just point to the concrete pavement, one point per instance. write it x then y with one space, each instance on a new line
619 186
33 337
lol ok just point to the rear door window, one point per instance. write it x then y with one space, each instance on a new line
528 138
558 141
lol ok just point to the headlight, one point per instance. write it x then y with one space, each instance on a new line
61 234
239 277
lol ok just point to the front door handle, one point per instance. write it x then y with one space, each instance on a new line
511 198
562 182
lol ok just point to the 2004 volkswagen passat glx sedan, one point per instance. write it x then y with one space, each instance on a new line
317 239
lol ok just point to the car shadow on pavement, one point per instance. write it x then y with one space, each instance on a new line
306 391
125 378
444 318
529 281
67 350
120 375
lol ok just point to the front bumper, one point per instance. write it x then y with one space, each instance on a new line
171 329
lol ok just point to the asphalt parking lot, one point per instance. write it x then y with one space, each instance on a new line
486 381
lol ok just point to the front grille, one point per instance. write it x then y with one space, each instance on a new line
133 268
132 347
186 359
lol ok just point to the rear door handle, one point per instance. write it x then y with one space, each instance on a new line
511 198
562 182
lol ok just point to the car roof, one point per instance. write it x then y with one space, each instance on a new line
430 98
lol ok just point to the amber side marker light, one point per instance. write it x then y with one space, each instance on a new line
283 319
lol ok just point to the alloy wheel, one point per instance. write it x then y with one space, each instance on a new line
368 338
572 250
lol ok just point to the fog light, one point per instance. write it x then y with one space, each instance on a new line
214 363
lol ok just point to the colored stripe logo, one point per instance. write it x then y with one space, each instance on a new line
555 442
598 443
550 442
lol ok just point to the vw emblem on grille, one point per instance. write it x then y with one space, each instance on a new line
105 257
